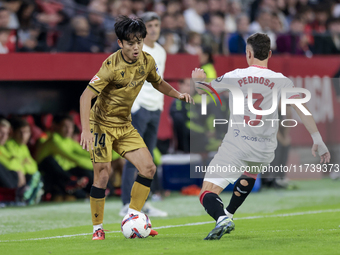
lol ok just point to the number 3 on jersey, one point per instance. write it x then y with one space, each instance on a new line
259 98
101 140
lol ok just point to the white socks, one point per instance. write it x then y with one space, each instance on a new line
133 211
219 219
229 214
96 227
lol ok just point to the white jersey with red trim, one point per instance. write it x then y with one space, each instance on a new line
252 137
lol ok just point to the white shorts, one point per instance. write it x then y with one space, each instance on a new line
225 169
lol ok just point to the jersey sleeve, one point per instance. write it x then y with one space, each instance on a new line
290 85
154 76
220 83
102 78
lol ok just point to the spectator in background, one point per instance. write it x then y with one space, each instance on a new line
237 41
159 8
329 43
173 7
214 36
121 7
7 34
290 9
138 7
170 38
207 62
27 33
213 7
11 174
4 18
12 6
179 112
81 39
4 36
97 12
193 16
66 166
273 6
181 28
307 14
194 43
233 9
295 42
17 147
53 18
262 24
322 14
276 24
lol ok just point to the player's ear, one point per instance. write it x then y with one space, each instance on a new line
248 54
120 43
270 54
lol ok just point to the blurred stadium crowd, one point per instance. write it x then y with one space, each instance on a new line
303 27
46 159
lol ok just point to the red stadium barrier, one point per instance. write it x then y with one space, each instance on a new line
77 66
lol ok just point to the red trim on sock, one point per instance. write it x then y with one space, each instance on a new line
254 176
202 196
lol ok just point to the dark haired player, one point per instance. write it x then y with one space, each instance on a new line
244 144
108 125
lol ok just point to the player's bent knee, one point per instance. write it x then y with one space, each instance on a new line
149 171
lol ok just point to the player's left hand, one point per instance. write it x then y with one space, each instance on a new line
324 158
186 98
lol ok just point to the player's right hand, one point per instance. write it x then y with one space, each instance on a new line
198 75
325 157
87 140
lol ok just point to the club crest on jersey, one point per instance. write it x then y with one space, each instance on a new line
95 78
141 70
219 79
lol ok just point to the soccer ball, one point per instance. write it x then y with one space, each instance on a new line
136 225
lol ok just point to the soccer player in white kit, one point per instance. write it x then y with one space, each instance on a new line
251 140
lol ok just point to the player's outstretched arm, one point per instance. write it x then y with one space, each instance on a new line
198 75
168 90
318 145
86 139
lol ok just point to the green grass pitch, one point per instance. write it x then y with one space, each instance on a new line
302 221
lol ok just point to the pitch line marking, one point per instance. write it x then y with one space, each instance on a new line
183 225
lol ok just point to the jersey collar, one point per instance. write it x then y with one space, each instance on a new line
121 53
262 67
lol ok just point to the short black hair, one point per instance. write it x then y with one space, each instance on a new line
127 28
261 45
18 123
58 118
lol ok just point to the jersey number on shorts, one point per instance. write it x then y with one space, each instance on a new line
101 140
259 98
